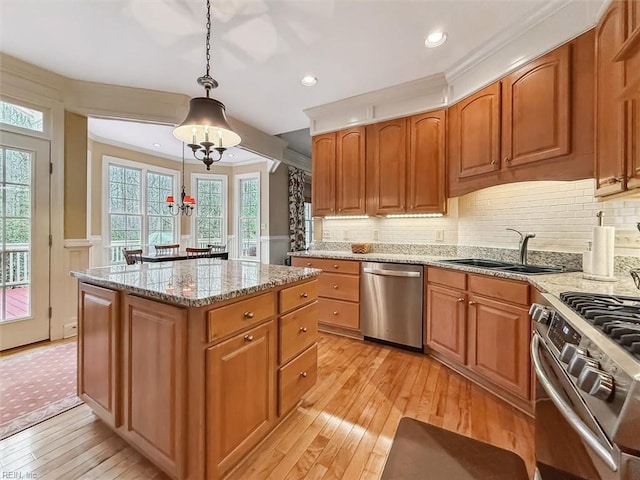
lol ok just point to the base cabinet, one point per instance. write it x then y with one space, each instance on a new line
446 330
240 396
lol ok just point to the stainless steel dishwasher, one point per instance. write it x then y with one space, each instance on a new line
391 298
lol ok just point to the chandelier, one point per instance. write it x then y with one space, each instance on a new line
187 203
205 128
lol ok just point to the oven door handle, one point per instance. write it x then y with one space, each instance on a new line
567 412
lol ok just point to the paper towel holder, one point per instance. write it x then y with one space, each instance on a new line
600 216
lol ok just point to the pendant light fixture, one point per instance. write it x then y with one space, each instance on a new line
187 203
205 128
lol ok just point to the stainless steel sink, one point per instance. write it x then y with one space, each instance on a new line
505 266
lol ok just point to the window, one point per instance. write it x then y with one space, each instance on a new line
22 117
210 219
137 213
308 224
248 201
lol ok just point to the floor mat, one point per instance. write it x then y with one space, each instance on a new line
36 385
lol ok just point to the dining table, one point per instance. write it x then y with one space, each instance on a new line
180 255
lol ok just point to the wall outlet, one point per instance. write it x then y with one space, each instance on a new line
440 235
376 234
627 238
69 330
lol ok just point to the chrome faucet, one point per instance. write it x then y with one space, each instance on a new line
524 240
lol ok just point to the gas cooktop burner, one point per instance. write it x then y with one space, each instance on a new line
616 316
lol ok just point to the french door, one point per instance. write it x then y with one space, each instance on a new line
24 239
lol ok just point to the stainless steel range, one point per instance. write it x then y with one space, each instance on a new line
586 354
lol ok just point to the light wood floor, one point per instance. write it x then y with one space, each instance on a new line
343 429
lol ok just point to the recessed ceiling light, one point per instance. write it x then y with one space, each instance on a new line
435 39
156 145
309 80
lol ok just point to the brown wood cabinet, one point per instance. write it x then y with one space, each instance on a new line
479 325
534 124
338 293
99 352
338 173
155 384
241 395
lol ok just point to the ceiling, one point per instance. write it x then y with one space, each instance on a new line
260 48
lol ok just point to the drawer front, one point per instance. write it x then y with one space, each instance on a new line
293 297
240 315
446 277
298 330
339 313
338 286
507 290
328 265
296 378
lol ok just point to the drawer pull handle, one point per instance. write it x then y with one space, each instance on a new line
461 300
304 295
472 303
303 374
248 338
303 329
335 287
335 313
248 314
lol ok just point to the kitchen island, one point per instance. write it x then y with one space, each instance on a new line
194 362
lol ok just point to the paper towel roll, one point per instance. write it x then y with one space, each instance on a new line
603 246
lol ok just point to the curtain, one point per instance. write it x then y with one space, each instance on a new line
296 210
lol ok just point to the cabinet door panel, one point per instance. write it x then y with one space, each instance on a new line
446 329
350 172
633 162
240 396
98 351
155 361
610 111
499 344
323 178
536 121
426 172
387 158
475 135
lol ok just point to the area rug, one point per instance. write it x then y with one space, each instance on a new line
37 385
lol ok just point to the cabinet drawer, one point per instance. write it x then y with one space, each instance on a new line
293 297
237 316
339 313
339 286
447 277
508 290
296 378
298 330
328 265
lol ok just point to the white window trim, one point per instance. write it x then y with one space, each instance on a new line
236 209
46 119
225 207
143 167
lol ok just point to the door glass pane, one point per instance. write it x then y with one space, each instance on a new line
21 117
15 233
249 215
160 222
210 212
125 209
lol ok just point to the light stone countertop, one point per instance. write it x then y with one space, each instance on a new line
554 284
196 282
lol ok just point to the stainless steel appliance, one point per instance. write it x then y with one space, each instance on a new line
586 354
391 297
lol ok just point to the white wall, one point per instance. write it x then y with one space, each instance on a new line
562 214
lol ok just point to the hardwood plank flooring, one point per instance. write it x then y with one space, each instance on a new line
342 430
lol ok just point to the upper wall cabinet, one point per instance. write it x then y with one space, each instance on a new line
632 85
338 173
534 124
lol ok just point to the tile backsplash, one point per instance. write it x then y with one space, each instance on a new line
561 214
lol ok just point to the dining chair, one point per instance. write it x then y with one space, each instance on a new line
198 252
217 248
167 249
132 256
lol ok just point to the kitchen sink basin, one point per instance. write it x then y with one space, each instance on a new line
505 266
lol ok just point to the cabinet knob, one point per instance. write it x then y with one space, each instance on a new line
248 338
461 300
304 295
611 181
335 313
335 266
471 302
308 264
248 314
303 374
303 329
494 161
335 287
507 159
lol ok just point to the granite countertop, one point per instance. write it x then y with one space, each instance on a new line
554 284
196 282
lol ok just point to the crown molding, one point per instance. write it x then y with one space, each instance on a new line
297 159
